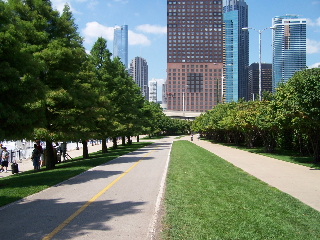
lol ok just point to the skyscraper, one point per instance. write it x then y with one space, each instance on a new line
139 73
289 47
235 16
253 80
194 54
120 43
153 85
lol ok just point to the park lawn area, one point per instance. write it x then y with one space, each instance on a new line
18 186
280 154
209 198
285 155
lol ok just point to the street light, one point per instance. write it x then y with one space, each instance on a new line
183 99
260 32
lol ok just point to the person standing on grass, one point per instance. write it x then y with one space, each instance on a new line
36 157
4 159
1 149
39 147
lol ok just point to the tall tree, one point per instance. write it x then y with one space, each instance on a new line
100 59
299 99
62 57
20 88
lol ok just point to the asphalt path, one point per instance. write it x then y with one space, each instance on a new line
118 200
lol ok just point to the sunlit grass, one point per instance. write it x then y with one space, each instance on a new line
209 198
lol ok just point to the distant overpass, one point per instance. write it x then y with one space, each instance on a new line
182 115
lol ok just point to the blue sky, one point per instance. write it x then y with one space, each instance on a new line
146 20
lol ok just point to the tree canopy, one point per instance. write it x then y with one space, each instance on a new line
290 118
53 90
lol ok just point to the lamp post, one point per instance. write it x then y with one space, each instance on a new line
183 100
260 73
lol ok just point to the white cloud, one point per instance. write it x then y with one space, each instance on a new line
312 23
313 46
155 29
59 5
138 39
160 81
94 30
316 65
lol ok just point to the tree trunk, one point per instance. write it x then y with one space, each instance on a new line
115 144
50 158
104 145
138 138
123 140
85 153
129 140
315 139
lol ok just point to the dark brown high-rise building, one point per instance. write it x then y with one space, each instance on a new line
266 79
194 55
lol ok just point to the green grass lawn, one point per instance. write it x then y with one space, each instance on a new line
283 155
209 198
18 186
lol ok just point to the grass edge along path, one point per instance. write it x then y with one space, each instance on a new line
18 186
209 198
283 155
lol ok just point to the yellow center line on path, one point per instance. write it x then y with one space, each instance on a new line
74 215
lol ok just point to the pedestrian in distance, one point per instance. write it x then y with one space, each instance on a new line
36 157
1 149
41 152
4 159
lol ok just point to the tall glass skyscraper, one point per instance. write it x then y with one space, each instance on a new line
120 44
194 55
235 17
289 47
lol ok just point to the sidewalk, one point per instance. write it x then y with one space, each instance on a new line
26 164
298 181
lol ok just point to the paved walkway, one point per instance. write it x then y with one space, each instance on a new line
299 181
116 200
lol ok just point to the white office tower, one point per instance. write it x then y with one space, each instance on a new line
153 85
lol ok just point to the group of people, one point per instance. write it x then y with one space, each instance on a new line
37 156
4 154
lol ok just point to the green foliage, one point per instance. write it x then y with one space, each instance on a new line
51 89
20 89
289 119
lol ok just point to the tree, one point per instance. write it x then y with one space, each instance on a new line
61 57
127 99
299 99
20 91
100 60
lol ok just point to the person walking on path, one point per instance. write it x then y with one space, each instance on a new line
36 157
4 159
